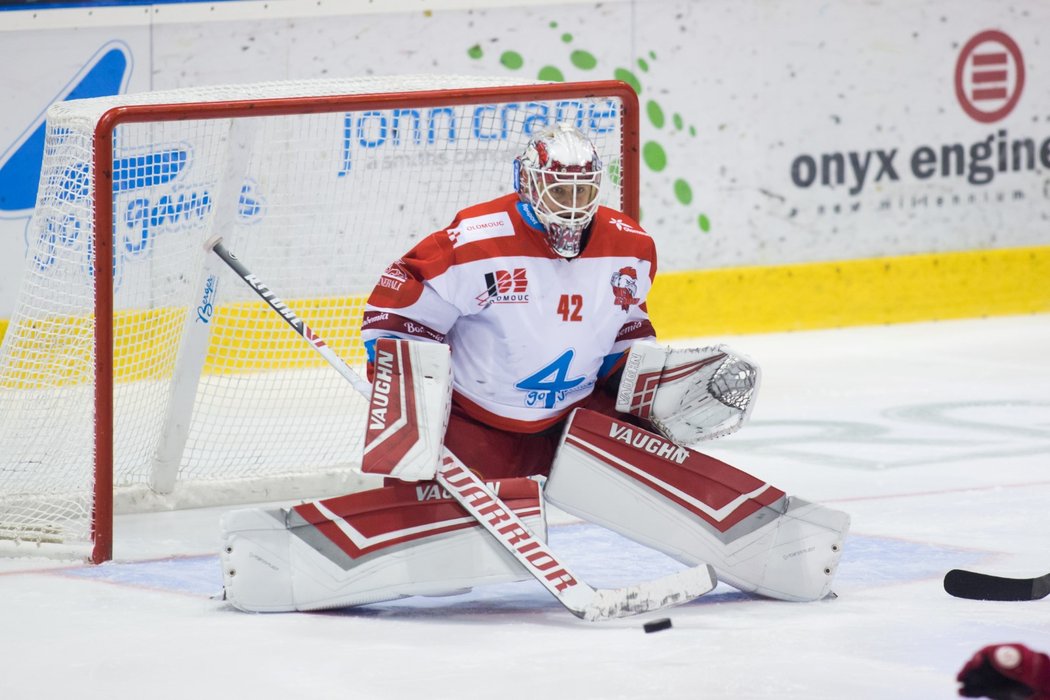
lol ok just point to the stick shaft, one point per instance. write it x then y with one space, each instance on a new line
298 325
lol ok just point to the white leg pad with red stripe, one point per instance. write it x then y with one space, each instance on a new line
696 509
367 547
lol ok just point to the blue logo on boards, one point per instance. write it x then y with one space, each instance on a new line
374 129
106 73
143 212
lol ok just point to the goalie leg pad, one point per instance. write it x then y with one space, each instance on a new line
368 547
696 509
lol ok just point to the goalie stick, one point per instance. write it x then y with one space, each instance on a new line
496 517
977 586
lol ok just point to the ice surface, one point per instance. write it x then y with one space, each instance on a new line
935 437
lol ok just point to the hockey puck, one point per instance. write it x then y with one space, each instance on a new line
656 625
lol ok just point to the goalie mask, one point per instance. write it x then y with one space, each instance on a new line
559 175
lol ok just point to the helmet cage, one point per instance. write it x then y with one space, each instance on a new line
560 176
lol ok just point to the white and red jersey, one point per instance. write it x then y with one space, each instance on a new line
531 332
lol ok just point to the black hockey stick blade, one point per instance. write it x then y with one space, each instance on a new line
976 586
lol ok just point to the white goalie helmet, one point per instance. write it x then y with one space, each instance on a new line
559 175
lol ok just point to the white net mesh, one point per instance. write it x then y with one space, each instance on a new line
215 400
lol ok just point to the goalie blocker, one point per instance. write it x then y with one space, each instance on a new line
696 509
367 547
408 409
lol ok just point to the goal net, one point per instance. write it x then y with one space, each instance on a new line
135 374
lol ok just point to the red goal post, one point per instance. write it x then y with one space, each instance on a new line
160 366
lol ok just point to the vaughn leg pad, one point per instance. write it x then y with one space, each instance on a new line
696 509
377 545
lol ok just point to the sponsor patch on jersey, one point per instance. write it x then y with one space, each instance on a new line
622 225
505 287
625 287
528 214
480 228
635 329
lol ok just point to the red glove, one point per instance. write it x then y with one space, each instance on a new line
1006 672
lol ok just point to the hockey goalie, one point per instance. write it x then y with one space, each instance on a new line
518 340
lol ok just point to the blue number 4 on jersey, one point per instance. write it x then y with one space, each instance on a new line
551 383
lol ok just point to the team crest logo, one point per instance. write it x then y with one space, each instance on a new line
505 287
394 276
625 286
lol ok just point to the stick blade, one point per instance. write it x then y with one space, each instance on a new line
977 586
678 588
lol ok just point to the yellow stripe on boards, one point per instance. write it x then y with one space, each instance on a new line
245 337
249 337
851 293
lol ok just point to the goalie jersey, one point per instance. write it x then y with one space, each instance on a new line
531 333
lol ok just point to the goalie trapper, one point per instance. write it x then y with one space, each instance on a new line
690 395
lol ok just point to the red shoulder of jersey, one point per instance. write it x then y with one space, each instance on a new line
504 202
401 284
498 228
495 229
486 230
613 233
